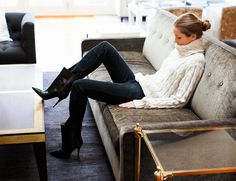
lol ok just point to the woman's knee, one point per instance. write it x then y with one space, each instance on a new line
106 45
79 85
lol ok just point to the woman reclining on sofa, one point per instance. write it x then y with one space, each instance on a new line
170 87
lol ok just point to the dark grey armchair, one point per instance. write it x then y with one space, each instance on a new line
22 49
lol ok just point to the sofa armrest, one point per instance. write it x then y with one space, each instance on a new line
121 44
200 123
28 37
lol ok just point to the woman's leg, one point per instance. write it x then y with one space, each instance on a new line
124 89
112 93
104 53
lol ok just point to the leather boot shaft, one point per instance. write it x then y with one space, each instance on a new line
60 80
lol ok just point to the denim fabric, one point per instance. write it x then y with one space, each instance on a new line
124 87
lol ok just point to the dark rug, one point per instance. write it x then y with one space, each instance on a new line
17 162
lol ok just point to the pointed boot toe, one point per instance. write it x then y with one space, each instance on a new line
45 94
60 154
39 92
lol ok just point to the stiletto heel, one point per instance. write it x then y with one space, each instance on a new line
78 152
59 100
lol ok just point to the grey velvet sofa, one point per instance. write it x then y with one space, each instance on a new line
22 49
213 103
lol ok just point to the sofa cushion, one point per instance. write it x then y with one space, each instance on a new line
160 39
117 118
215 95
12 52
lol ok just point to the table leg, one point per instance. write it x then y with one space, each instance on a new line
40 155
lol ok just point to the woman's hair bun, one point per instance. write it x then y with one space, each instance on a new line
206 25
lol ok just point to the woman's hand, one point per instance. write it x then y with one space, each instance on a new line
127 104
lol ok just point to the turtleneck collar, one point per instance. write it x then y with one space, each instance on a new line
193 47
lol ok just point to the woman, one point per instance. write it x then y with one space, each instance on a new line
169 87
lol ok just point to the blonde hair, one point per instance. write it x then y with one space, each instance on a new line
189 24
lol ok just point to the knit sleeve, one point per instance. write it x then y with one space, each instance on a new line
181 96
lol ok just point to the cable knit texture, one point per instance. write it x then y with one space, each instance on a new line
174 83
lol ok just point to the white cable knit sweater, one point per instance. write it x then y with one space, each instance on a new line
174 83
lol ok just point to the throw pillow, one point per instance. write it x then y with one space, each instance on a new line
4 33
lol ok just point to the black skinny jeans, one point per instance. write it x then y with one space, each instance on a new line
124 87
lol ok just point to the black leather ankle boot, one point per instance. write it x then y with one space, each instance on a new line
60 87
69 143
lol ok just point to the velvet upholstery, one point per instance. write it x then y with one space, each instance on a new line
211 106
22 48
219 79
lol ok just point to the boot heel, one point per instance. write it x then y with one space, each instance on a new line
78 152
59 100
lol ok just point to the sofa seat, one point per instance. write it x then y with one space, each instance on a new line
8 48
117 118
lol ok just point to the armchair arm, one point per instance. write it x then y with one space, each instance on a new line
28 37
121 44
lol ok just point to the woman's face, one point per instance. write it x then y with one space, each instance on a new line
182 39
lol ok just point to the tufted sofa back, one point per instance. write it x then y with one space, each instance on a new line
14 24
215 95
160 38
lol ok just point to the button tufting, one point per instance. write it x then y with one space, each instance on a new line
221 83
209 74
